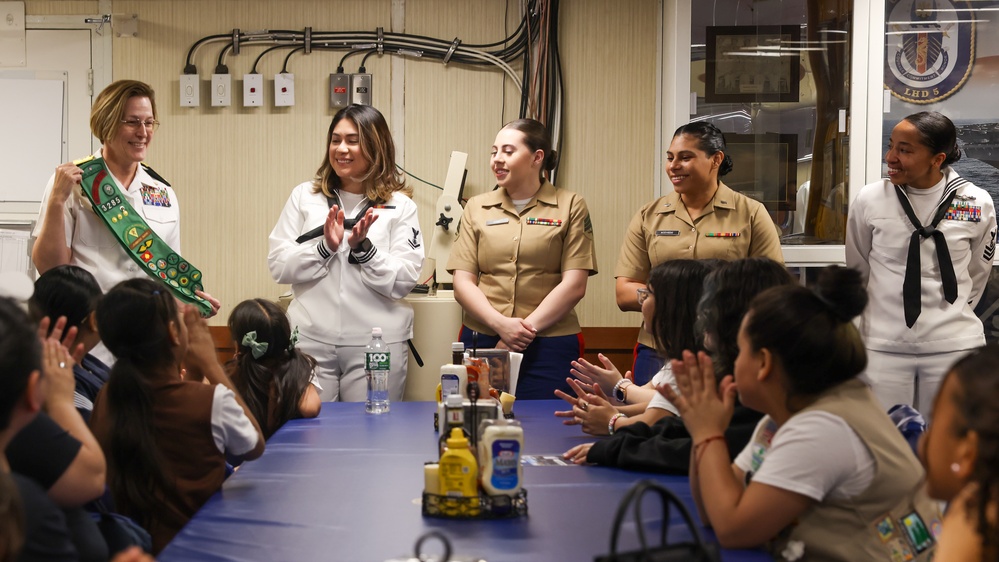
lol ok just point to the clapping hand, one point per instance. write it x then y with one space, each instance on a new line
333 229
592 410
59 334
606 377
573 401
705 408
359 233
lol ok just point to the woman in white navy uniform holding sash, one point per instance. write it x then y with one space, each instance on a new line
68 230
925 239
349 244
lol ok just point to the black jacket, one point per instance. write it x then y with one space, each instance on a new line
665 447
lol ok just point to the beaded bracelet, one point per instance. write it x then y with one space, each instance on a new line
620 392
613 420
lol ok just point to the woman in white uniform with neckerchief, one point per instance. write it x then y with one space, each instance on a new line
349 243
925 239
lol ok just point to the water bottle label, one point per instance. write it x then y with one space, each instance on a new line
506 458
376 361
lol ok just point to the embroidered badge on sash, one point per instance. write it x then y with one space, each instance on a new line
154 196
885 529
963 210
917 532
899 551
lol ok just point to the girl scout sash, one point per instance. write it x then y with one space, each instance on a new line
138 240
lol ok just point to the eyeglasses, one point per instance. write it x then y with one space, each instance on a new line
134 124
643 293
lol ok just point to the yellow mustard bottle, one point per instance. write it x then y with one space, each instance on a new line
458 471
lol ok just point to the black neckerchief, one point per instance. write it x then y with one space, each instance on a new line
347 223
911 286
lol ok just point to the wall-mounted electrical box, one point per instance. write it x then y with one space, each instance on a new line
284 89
253 90
360 88
221 90
190 90
339 90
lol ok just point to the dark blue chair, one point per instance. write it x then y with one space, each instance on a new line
911 423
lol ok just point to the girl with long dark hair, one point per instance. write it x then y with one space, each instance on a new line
165 433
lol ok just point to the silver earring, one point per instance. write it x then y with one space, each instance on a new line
955 468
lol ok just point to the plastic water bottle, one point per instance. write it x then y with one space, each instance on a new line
376 367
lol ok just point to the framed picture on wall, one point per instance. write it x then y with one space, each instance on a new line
749 63
764 167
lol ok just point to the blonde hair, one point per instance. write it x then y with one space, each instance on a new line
375 140
109 107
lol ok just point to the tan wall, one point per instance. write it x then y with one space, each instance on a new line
234 167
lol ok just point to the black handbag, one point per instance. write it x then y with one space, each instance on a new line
698 550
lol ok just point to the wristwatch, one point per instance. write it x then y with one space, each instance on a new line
362 248
620 388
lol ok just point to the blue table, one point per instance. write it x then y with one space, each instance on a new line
346 486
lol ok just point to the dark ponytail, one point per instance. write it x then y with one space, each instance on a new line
938 133
710 140
537 137
810 330
134 463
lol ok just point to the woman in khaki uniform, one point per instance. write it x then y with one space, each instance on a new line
521 261
701 219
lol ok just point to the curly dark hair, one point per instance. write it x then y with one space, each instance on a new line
727 293
977 400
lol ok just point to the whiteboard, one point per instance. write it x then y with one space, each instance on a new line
33 140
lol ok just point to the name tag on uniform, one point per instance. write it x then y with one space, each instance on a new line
494 222
667 233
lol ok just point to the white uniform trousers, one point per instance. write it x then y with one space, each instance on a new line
904 378
340 370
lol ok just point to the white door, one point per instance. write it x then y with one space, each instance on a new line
46 115
67 50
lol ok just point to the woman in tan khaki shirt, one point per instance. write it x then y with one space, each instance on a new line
523 255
